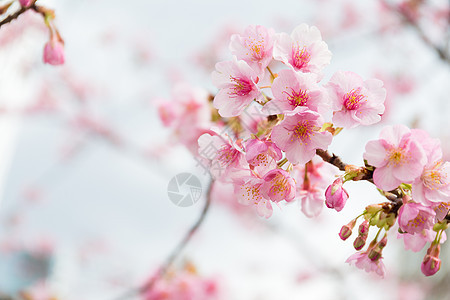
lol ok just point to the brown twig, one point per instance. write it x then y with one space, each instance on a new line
393 196
443 55
17 14
174 254
332 159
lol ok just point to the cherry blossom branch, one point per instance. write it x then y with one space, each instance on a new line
17 14
331 158
443 55
394 196
175 253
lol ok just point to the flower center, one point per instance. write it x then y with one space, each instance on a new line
434 178
352 100
418 221
397 157
261 160
303 131
279 184
252 193
226 155
299 98
241 86
256 47
300 57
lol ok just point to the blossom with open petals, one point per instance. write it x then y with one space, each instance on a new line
303 50
255 46
237 83
398 157
293 89
355 101
299 136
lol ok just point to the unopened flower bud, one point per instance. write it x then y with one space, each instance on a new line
336 195
54 52
376 252
359 242
431 262
346 230
363 231
364 228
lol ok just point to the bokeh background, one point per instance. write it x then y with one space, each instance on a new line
85 161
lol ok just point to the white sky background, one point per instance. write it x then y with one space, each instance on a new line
111 193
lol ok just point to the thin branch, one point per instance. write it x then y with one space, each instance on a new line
174 254
17 14
393 196
443 55
332 159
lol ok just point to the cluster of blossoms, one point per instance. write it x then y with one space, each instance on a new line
272 121
54 49
184 284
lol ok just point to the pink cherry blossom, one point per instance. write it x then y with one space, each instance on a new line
433 185
336 195
299 136
414 217
292 89
303 50
278 185
222 193
54 52
248 191
188 114
255 46
416 241
225 158
183 285
362 261
397 157
262 155
355 101
237 84
441 209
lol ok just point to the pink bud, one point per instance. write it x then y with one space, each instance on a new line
346 230
359 242
431 262
25 3
375 252
364 228
430 265
335 195
54 52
